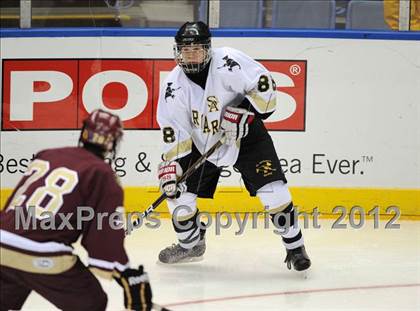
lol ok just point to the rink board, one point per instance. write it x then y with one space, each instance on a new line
346 129
307 199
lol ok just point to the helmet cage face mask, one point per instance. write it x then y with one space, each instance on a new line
201 51
192 49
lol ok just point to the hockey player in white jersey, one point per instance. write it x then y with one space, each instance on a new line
210 94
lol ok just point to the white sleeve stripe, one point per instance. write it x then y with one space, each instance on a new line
17 241
107 265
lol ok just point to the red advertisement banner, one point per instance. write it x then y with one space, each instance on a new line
56 94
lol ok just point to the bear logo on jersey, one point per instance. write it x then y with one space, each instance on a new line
265 167
230 63
169 91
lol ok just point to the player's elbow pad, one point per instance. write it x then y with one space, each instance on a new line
246 104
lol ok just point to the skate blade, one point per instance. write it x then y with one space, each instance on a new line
304 275
182 261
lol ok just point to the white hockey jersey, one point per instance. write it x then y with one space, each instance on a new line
188 114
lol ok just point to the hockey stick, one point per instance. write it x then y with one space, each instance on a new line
157 307
183 178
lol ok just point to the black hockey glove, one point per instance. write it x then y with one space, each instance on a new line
137 290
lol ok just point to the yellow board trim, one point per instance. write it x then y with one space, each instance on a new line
235 199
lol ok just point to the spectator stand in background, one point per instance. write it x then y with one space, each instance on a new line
237 14
304 14
362 14
392 14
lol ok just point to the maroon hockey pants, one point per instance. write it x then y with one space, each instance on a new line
76 289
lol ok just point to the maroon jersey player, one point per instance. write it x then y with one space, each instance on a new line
37 255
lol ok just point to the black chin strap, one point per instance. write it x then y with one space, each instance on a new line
200 78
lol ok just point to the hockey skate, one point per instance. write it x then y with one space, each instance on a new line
298 258
177 254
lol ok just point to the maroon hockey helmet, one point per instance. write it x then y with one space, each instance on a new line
102 129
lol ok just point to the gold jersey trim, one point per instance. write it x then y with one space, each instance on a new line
36 264
260 104
108 275
181 148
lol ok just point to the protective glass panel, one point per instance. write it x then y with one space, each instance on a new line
277 14
9 13
112 13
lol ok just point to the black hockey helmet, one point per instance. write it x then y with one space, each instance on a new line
193 32
101 130
197 34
